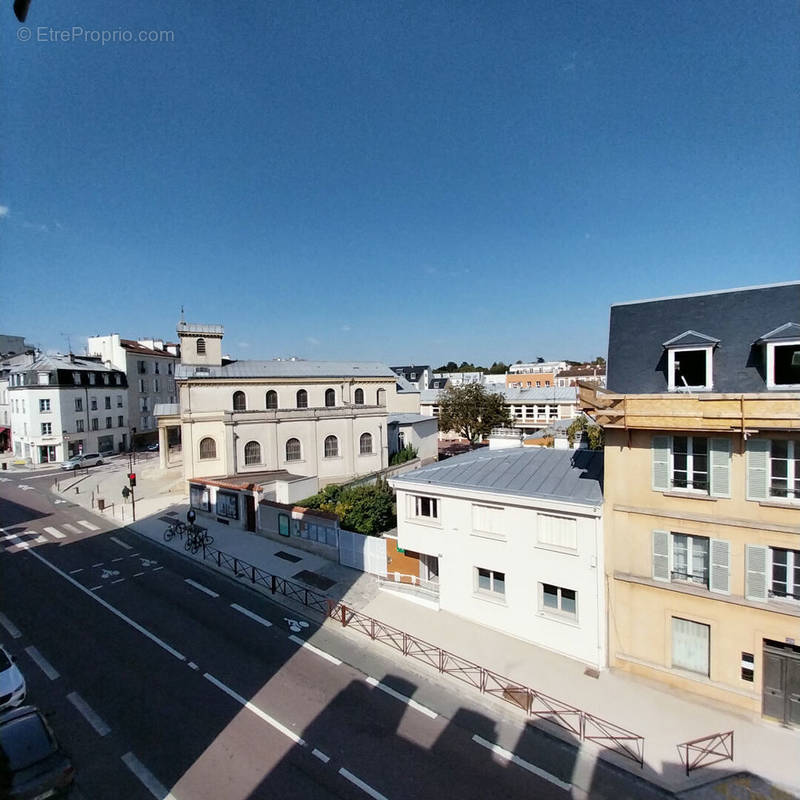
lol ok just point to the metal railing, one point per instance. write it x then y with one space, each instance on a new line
581 724
402 579
706 750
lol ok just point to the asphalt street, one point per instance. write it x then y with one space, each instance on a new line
165 679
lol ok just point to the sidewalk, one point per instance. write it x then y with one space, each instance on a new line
662 717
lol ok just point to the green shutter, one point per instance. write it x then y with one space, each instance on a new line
661 556
660 473
758 469
756 568
720 467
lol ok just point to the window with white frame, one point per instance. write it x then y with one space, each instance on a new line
558 600
47 428
365 444
784 468
109 422
690 645
331 447
690 462
79 425
252 453
785 577
783 364
425 507
690 558
293 450
490 582
44 378
106 378
119 401
93 403
92 378
44 405
689 368
141 384
76 378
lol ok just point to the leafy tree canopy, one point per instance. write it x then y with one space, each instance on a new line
595 433
363 509
471 411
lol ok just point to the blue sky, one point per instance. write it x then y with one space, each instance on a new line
403 181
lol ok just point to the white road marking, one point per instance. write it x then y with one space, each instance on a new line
55 532
402 698
120 542
95 588
256 710
88 525
43 664
24 487
156 569
89 714
90 592
193 665
361 785
520 762
265 622
98 564
71 528
137 574
118 580
12 629
321 653
321 756
296 625
76 571
200 586
109 573
146 777
114 560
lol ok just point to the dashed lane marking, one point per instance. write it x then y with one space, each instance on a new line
95 588
43 664
520 762
89 714
146 777
320 755
120 543
13 630
98 564
200 587
88 525
320 653
55 532
76 571
90 592
281 728
361 785
114 560
137 574
265 622
401 697
118 580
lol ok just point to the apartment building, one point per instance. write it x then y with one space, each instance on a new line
149 365
62 405
702 493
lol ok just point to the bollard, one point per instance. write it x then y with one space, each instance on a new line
77 490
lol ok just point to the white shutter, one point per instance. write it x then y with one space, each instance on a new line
758 469
756 572
720 467
661 543
719 573
660 474
690 641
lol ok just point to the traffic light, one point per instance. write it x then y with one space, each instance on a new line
132 479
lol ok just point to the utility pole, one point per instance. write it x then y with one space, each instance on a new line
132 482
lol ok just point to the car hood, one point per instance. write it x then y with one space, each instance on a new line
10 680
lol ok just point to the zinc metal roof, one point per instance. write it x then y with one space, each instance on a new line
575 476
408 419
288 369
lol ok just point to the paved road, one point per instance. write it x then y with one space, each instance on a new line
163 677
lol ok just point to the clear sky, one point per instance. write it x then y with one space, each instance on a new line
403 181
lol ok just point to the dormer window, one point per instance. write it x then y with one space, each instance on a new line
782 356
690 362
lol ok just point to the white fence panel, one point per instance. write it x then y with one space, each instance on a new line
367 553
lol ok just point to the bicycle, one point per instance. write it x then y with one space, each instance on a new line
196 537
174 529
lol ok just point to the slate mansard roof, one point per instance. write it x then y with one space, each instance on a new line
574 476
740 319
287 369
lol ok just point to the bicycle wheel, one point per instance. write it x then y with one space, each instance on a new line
169 534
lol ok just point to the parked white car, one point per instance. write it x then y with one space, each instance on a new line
12 684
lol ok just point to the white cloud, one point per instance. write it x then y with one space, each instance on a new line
4 211
312 340
243 345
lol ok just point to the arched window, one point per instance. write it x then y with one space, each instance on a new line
201 347
252 453
381 397
359 397
365 444
331 447
330 398
208 448
239 401
272 399
302 398
293 452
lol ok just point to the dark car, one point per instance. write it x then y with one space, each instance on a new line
32 764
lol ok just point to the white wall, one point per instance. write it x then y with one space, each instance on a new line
515 550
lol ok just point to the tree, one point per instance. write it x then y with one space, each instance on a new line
472 411
600 361
363 509
594 432
498 368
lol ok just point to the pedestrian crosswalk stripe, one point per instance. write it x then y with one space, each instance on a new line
88 525
71 528
55 532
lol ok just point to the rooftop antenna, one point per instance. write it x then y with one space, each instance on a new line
69 341
182 319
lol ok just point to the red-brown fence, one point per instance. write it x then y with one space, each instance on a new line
707 750
581 724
